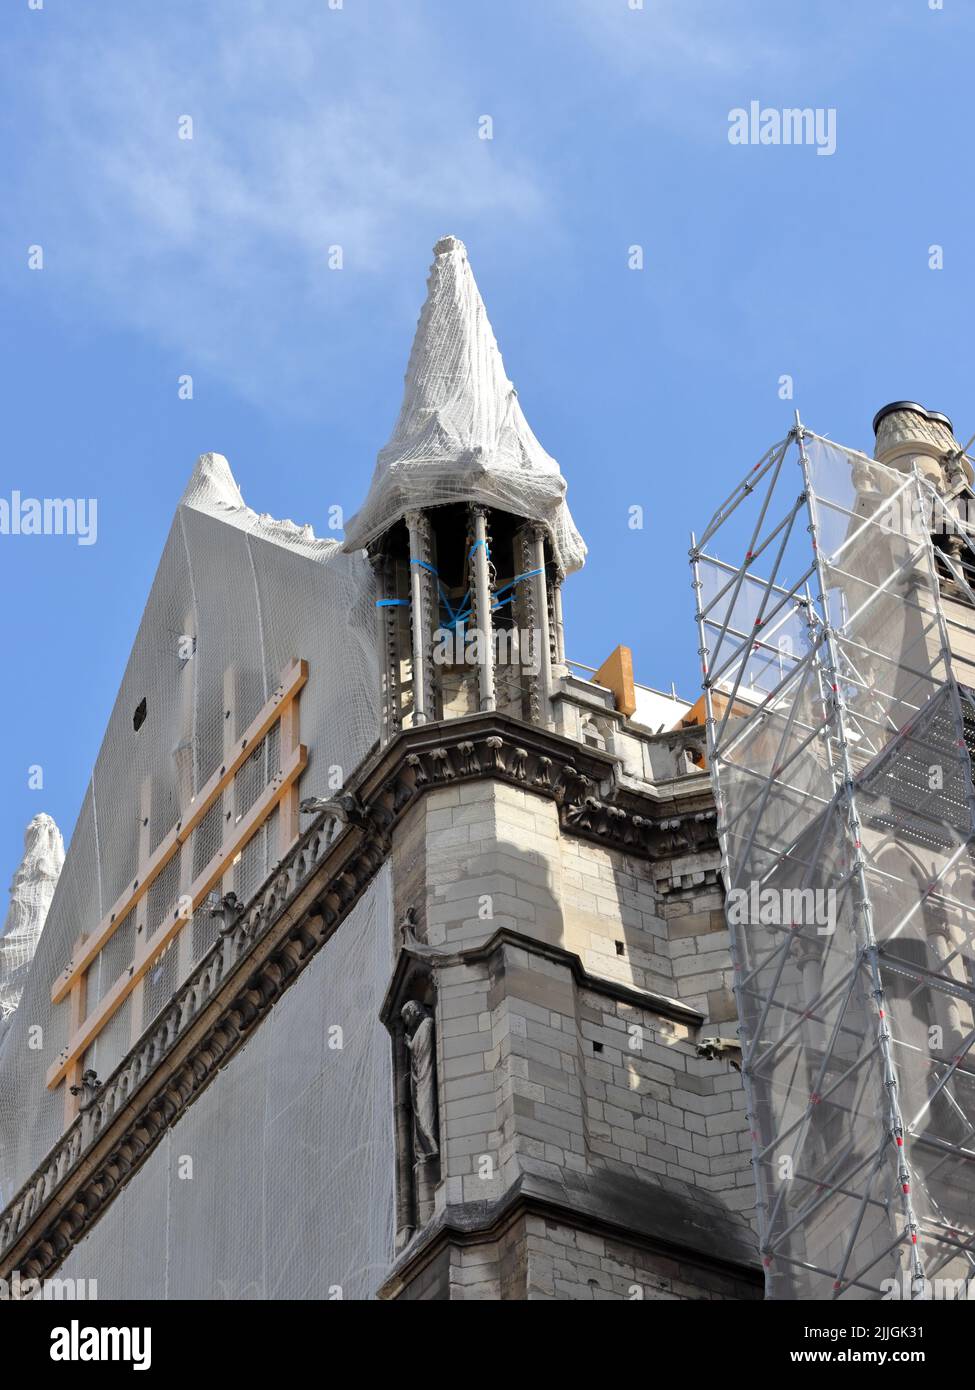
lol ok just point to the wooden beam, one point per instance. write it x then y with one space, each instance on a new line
288 805
230 790
76 1017
292 680
616 674
140 912
149 950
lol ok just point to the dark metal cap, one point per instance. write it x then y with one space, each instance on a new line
913 406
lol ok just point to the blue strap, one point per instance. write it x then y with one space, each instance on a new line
424 564
459 614
392 603
459 617
529 574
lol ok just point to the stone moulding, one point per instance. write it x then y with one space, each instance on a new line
265 945
438 957
484 1223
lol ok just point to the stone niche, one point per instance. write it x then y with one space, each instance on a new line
409 1013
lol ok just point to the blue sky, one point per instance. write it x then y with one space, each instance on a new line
358 126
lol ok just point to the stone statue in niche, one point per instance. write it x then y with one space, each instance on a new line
421 1044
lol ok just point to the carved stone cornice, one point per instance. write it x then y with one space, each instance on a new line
265 945
583 782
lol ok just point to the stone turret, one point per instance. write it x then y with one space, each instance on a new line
908 434
467 527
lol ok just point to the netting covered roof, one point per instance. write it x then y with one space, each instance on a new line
461 434
290 1194
236 597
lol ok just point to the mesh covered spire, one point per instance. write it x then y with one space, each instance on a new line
461 434
30 897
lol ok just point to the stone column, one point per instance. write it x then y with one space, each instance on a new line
414 524
387 620
947 1008
482 594
559 625
541 616
810 966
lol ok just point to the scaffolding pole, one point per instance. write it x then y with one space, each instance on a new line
844 776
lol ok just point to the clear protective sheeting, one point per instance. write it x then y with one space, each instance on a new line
841 743
237 597
461 435
278 1181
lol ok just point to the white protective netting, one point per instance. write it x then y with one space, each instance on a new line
254 593
461 435
278 1181
31 893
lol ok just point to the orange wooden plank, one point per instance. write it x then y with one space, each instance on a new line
288 823
616 674
151 949
292 680
79 996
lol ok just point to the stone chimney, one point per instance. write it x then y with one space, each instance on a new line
908 434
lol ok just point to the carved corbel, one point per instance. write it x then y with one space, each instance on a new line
519 764
583 814
567 778
616 822
543 773
403 789
495 745
470 763
442 769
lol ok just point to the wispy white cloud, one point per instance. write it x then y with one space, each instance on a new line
683 41
315 127
339 127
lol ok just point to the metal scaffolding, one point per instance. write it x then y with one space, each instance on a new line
838 658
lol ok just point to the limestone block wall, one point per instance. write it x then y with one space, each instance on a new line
545 1076
566 1263
611 915
537 1258
487 854
479 856
655 1107
542 1076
